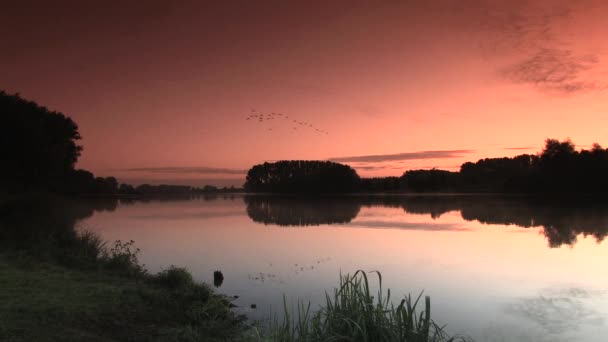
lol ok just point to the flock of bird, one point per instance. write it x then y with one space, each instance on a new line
261 117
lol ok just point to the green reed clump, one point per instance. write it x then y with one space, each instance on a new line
353 313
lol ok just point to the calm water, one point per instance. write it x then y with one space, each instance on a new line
497 269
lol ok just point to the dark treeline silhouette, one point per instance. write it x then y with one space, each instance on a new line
559 168
430 180
561 220
165 190
39 151
380 184
302 176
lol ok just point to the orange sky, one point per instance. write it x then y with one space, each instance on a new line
161 91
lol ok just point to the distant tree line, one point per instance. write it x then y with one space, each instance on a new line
160 190
559 167
302 176
39 149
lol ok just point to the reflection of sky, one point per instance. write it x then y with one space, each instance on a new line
483 280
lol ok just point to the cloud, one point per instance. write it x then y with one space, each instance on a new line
188 216
555 70
516 25
189 170
519 148
441 154
530 35
368 167
409 225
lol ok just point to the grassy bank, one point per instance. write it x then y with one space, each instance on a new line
41 301
47 302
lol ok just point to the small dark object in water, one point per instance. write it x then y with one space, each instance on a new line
218 278
253 306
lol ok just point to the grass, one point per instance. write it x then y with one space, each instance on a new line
46 301
116 300
352 313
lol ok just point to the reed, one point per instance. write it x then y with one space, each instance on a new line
353 313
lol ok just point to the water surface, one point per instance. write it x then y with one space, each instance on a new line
496 268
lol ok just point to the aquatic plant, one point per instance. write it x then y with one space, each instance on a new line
353 313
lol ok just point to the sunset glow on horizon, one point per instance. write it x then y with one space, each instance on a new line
162 93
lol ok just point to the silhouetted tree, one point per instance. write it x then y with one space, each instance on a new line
499 174
38 146
431 180
558 168
380 184
302 176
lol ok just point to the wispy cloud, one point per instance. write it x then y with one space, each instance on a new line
441 154
519 148
554 70
188 170
409 225
528 34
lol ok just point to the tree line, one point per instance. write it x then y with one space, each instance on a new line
558 168
39 149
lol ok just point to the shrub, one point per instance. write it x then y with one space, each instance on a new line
174 277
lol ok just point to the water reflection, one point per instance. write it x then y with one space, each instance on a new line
297 211
28 223
560 220
558 312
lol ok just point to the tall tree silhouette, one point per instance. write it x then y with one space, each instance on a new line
38 146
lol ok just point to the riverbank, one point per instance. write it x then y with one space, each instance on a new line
43 301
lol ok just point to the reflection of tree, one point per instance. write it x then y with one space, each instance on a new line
296 211
561 220
27 223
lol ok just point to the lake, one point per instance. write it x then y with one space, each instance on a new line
496 268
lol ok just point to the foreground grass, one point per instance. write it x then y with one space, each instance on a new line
48 302
353 313
42 301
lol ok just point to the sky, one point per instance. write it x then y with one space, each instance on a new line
173 91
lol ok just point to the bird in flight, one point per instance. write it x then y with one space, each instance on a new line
267 117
